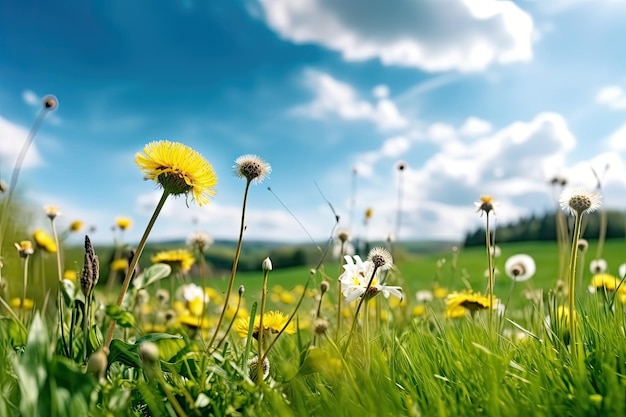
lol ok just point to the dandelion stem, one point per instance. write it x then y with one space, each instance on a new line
491 271
339 299
133 263
261 328
233 271
571 281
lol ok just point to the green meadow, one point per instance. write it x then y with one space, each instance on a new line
244 329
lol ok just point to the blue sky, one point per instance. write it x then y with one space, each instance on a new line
476 96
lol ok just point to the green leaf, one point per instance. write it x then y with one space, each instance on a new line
95 339
126 353
151 275
123 318
14 331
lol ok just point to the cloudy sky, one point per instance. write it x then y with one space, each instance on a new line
475 96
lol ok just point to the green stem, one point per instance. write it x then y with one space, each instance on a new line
491 272
133 264
571 282
233 271
261 329
339 299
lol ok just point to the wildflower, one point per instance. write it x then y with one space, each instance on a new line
252 168
495 251
50 102
583 245
193 321
520 267
622 271
418 310
44 241
369 212
76 226
605 282
266 265
91 269
381 258
273 321
176 258
119 264
324 286
178 169
162 295
253 365
579 201
357 275
424 296
320 326
70 275
24 248
149 354
123 223
200 240
440 292
194 298
21 303
469 301
342 245
52 211
485 204
598 266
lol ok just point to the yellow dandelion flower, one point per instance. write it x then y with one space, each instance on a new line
469 301
70 275
440 292
123 223
419 310
287 297
176 258
606 282
76 226
119 265
194 322
196 306
22 304
485 204
369 212
273 321
44 241
24 248
178 169
214 296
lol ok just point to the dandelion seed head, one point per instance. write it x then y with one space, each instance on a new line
320 326
520 267
253 365
50 102
579 201
583 245
252 168
380 258
324 286
598 266
343 235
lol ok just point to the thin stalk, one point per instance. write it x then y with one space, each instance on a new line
571 282
25 280
133 264
339 299
366 334
261 328
491 272
358 308
233 271
16 171
61 303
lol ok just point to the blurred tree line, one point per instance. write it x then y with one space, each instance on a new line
537 227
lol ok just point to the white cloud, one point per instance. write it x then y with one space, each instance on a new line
13 138
617 141
474 126
335 98
463 35
31 98
612 96
510 164
177 220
